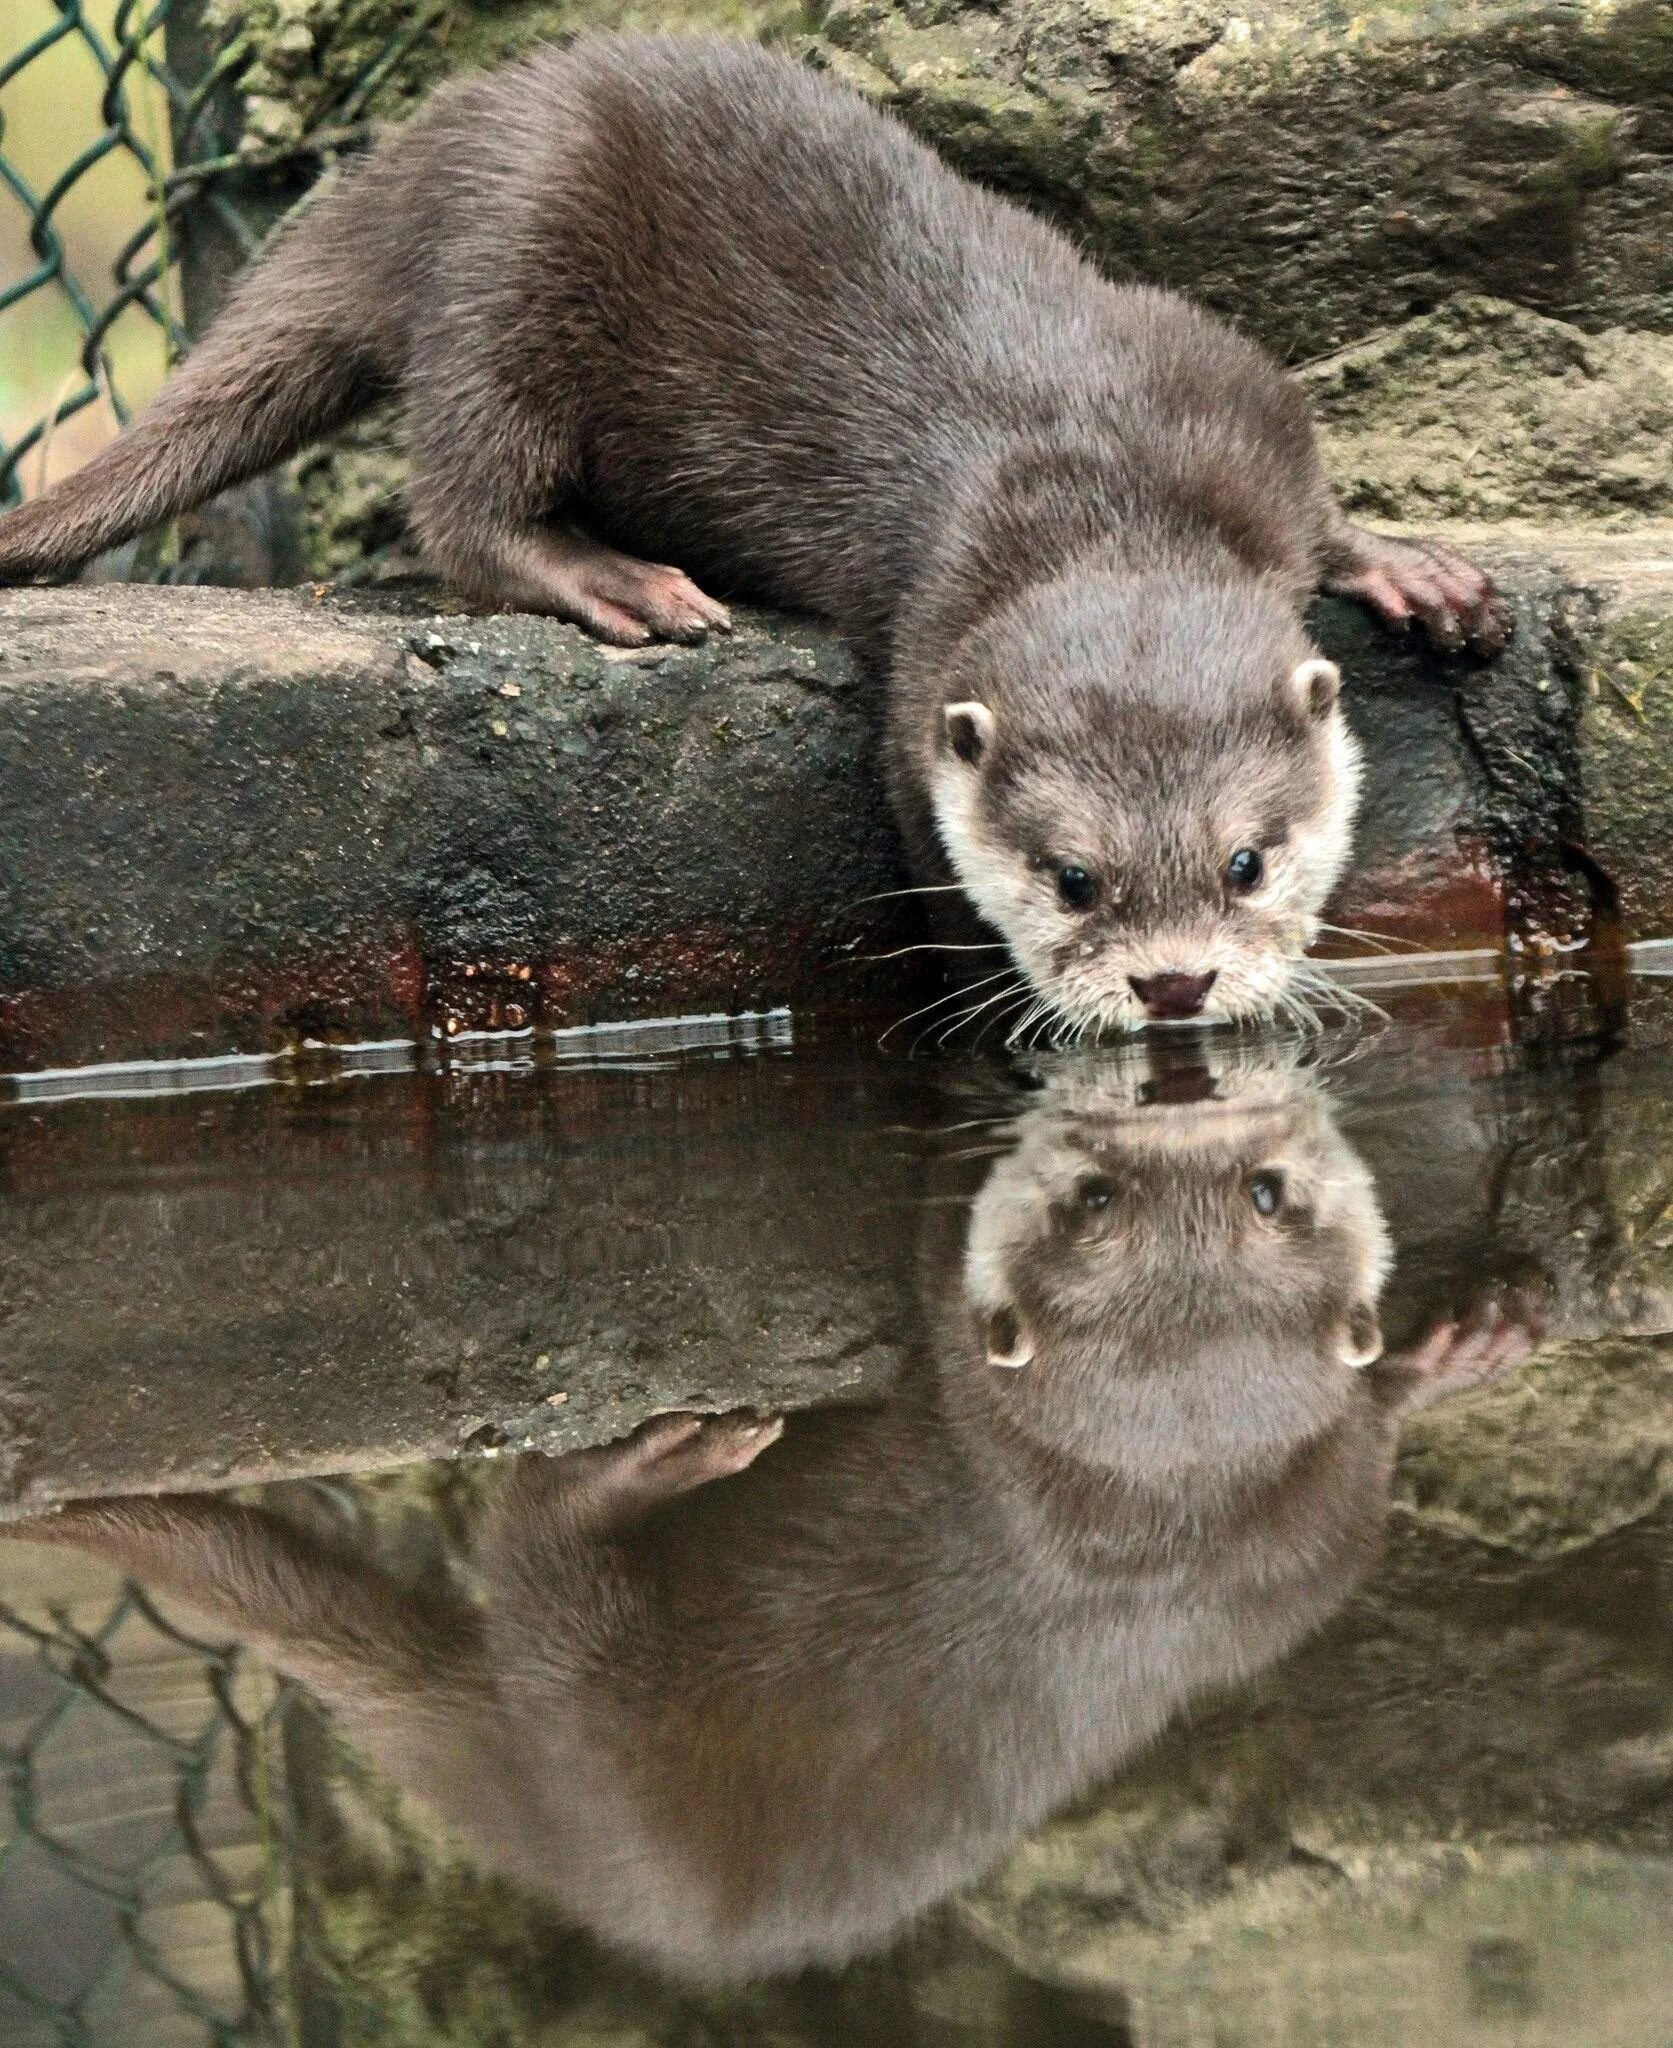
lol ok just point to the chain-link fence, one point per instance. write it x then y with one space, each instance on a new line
144 1895
88 112
127 199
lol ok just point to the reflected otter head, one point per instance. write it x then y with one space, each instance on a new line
1176 1259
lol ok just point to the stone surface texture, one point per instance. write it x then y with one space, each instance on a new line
1486 411
251 819
240 821
1316 173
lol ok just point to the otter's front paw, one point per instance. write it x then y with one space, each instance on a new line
1426 581
673 1453
1496 1335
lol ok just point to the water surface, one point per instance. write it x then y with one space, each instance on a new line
1211 1584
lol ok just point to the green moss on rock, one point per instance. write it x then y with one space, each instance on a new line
489 31
1315 173
1627 754
316 64
1487 411
351 490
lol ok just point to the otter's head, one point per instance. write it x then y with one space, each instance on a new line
1176 1273
1146 785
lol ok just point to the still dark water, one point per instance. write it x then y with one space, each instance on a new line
1168 1547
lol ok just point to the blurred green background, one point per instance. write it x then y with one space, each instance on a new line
50 115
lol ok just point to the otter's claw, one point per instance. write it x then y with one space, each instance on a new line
1427 582
1498 1334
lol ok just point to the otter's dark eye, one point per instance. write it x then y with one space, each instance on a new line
1095 1191
1266 1191
1077 889
1245 869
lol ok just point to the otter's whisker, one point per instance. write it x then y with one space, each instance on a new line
1040 1026
1338 994
952 995
969 1123
947 1026
889 895
1029 1029
1385 941
1290 1003
997 1017
1014 1035
964 1017
931 946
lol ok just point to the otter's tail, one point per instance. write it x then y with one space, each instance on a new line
323 1615
300 349
404 1670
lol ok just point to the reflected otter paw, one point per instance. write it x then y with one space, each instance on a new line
1497 1334
673 1453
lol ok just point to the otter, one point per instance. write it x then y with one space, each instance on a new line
738 1705
650 300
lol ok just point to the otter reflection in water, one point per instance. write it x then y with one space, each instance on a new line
739 1705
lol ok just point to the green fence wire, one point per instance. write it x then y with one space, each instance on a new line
125 103
177 138
142 1835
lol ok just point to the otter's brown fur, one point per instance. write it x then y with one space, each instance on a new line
683 300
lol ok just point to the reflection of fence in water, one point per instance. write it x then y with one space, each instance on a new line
143 1840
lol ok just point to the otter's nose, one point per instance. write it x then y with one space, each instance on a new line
1171 995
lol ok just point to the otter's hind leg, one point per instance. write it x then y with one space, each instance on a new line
490 464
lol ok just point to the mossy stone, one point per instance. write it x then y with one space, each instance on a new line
1486 411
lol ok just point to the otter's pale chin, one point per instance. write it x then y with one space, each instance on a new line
1124 1019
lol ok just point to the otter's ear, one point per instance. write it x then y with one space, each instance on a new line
1359 1342
1313 687
1009 1343
969 729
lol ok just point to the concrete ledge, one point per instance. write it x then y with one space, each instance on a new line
232 820
244 820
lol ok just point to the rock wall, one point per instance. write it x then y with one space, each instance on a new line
1449 217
